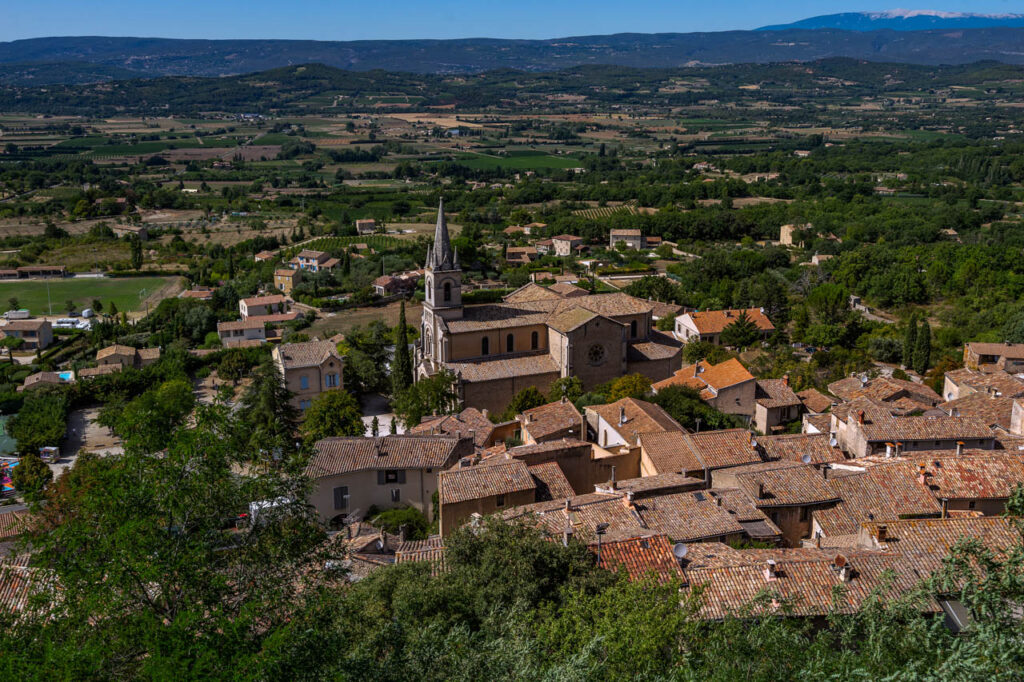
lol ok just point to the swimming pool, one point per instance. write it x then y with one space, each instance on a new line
66 375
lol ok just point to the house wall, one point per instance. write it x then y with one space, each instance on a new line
316 377
495 395
1017 418
468 345
599 331
739 399
122 359
858 446
987 507
794 522
454 515
364 491
765 418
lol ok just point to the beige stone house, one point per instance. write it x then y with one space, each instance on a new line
257 306
126 356
620 424
727 386
36 334
633 239
308 369
483 489
566 244
350 475
775 404
241 332
286 279
1005 356
708 325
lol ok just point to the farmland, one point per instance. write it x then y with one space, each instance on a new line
129 293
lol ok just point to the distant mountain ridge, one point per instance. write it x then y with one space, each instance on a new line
903 20
42 61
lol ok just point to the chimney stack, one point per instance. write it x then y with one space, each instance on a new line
613 484
881 533
785 379
485 412
622 416
760 491
627 500
959 447
770 571
817 539
860 416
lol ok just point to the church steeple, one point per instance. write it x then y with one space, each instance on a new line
441 256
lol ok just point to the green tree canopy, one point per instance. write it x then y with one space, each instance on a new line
433 395
333 413
741 332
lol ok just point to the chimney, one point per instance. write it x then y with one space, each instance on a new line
529 418
627 500
945 507
564 399
922 474
860 416
785 380
760 491
770 571
728 313
613 483
881 533
959 447
485 412
718 501
566 534
841 566
824 471
403 532
898 446
817 539
622 416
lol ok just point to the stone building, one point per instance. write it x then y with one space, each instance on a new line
308 369
533 337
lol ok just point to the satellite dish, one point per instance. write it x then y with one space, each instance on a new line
833 442
753 443
680 550
806 459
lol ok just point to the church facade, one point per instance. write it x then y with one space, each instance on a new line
534 337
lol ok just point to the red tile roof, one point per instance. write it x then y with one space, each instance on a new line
476 482
336 456
640 558
714 321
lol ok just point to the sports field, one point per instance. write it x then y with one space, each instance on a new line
128 293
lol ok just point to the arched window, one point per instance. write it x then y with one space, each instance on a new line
485 346
510 343
447 292
534 340
632 329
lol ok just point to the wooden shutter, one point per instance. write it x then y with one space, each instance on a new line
341 497
380 478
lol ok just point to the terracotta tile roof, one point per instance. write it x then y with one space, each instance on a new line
552 419
609 305
662 309
703 376
469 422
430 550
307 354
992 411
707 450
1006 350
488 370
501 316
814 400
714 321
13 524
884 389
41 378
655 485
548 446
822 422
659 346
566 290
238 325
25 325
336 456
551 481
532 292
775 393
792 447
998 384
688 517
640 558
311 255
199 294
263 255
572 318
882 493
265 300
937 536
102 370
116 349
972 476
804 583
641 417
883 428
626 233
783 484
566 238
745 510
285 273
475 482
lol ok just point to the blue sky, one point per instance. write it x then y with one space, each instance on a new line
360 19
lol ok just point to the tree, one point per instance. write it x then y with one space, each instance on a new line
685 406
433 395
31 476
401 366
70 305
1013 330
112 309
375 427
268 420
12 303
923 348
97 306
333 413
526 399
629 386
741 332
136 245
910 342
40 422
393 520
11 343
565 387
829 303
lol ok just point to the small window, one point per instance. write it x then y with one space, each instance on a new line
391 477
970 505
341 497
632 329
510 343
447 292
485 346
331 381
534 340
499 501
396 495
304 383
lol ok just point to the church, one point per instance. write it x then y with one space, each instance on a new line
534 337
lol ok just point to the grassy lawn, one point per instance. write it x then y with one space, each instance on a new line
128 293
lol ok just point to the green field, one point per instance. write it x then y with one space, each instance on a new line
518 160
128 292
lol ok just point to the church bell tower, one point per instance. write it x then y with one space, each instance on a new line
443 293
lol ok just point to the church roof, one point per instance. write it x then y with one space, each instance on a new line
441 256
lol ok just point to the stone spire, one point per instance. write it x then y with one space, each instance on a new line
442 257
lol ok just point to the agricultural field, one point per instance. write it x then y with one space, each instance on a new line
128 293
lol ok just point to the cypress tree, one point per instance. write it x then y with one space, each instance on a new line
910 342
923 349
401 368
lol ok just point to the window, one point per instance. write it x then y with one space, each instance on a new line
632 329
331 381
391 477
447 292
485 346
304 383
341 497
499 501
970 505
510 343
304 404
396 495
534 340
